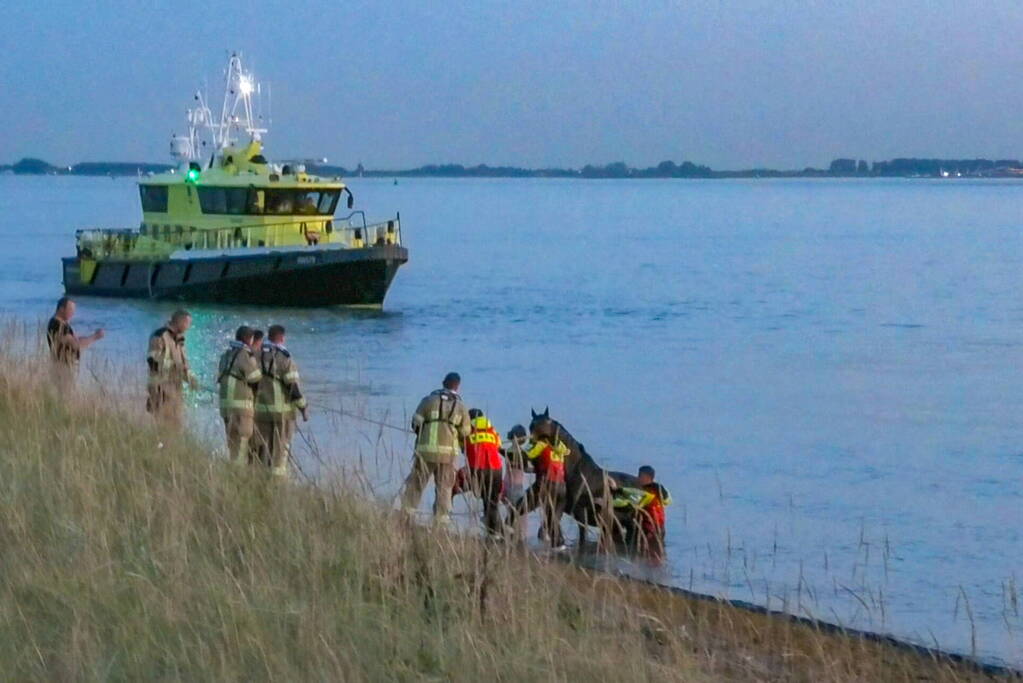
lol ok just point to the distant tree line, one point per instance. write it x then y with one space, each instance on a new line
30 166
844 167
936 168
618 169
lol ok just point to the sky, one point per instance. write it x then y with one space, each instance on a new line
733 85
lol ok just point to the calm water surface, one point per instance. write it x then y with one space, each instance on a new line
825 373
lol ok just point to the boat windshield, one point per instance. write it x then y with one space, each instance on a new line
154 198
276 202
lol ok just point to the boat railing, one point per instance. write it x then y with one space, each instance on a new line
351 231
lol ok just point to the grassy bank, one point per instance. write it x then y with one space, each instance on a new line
122 560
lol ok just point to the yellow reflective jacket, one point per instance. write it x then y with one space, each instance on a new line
168 364
627 496
441 423
279 395
238 375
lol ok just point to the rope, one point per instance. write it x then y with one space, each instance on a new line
337 411
343 413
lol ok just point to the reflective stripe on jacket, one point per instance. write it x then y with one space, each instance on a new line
237 374
279 394
441 424
483 449
551 464
627 496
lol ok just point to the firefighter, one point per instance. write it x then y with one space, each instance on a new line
483 458
548 490
168 371
238 375
278 400
65 346
441 423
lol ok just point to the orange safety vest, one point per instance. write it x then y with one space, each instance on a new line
482 448
655 508
552 460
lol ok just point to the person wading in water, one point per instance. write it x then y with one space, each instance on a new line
441 423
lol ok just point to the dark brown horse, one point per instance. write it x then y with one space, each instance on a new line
588 485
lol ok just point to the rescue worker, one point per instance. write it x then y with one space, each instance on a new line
278 399
65 346
441 423
647 505
654 517
238 375
255 444
515 455
483 457
169 370
548 490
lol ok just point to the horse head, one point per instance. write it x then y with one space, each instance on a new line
542 427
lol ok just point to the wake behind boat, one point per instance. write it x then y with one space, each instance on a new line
228 226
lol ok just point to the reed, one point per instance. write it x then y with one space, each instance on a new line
123 559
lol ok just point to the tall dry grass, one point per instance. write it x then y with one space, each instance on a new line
122 560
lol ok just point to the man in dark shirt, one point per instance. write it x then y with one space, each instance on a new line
66 347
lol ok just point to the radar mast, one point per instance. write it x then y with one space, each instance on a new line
239 114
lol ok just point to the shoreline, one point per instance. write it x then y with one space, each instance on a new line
937 654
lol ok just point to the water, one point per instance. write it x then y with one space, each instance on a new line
824 373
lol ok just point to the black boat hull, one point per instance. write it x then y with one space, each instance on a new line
304 277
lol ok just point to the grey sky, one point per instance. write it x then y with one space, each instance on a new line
529 83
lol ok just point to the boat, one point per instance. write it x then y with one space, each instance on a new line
225 225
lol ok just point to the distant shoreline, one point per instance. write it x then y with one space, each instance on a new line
839 168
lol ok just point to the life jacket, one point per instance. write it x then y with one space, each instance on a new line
482 448
659 499
550 460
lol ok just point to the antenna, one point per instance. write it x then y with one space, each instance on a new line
237 114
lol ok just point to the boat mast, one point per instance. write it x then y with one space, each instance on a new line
237 114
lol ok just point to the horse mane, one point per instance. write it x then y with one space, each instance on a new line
584 457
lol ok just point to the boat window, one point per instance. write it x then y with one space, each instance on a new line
328 200
213 199
279 202
237 200
234 201
306 203
154 198
293 202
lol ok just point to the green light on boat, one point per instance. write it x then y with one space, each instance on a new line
192 176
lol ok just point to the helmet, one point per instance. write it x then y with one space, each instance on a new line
517 432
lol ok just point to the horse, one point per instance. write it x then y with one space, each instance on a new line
588 486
